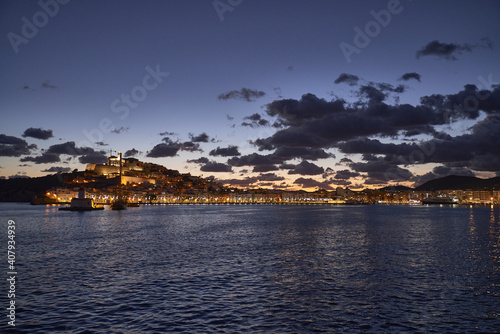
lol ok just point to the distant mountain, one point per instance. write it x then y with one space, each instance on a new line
456 182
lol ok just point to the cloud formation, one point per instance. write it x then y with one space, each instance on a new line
45 158
38 133
48 85
256 121
230 151
312 183
244 94
11 146
215 167
450 51
57 170
312 124
410 75
350 79
201 138
120 130
307 168
170 148
131 153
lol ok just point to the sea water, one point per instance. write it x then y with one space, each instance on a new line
254 269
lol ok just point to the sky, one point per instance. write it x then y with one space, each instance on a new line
282 94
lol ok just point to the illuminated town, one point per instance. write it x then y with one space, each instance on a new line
148 183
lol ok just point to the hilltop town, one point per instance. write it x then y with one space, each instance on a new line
143 182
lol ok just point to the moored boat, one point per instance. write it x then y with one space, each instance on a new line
119 205
440 200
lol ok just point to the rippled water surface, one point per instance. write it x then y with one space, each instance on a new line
255 269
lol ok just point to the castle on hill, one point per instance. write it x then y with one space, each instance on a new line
133 170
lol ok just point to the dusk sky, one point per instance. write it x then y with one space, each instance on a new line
289 94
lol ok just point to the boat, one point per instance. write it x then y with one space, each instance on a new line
440 200
132 205
82 203
120 203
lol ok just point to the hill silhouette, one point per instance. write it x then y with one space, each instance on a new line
457 182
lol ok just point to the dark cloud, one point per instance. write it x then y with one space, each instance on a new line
410 75
201 138
48 85
311 183
344 161
52 154
57 170
68 148
190 146
120 130
270 177
374 146
95 157
287 166
215 167
316 123
312 125
380 172
45 158
264 168
131 153
287 153
465 104
345 174
38 133
230 151
201 160
450 51
167 133
245 94
253 159
164 150
385 87
295 112
11 140
341 182
307 168
349 79
170 148
256 121
372 93
11 146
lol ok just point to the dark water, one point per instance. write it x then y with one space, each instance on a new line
255 269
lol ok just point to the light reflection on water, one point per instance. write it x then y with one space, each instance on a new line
257 269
